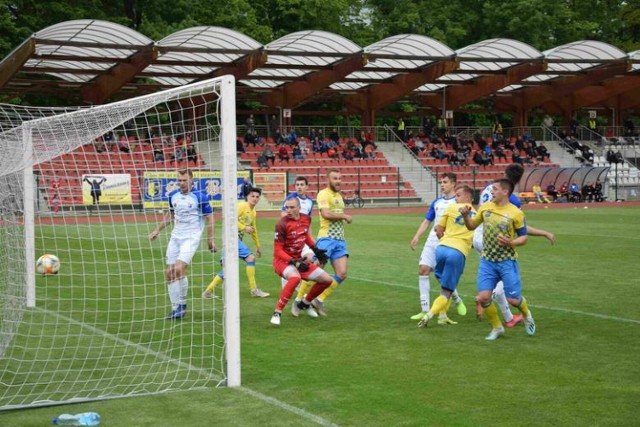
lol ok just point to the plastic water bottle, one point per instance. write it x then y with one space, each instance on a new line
83 419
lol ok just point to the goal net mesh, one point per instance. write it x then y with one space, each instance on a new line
97 329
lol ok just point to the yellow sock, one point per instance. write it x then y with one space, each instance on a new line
251 275
215 282
492 314
439 305
323 296
303 289
524 307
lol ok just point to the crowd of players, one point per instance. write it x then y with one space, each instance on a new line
300 260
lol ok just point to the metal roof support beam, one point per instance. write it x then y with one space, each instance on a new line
483 86
106 85
295 93
12 63
384 94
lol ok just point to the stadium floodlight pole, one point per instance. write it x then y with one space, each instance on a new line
230 229
29 219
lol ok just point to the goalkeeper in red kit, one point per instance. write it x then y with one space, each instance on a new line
292 234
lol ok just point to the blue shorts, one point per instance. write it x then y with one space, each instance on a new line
449 267
335 248
490 273
243 250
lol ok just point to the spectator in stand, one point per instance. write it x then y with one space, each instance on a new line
411 145
267 153
629 127
192 155
347 153
369 152
178 154
597 191
515 157
334 136
588 192
247 186
292 138
99 146
283 153
574 193
573 126
262 162
438 153
358 152
333 153
419 145
240 146
551 191
123 144
304 148
400 128
251 124
497 130
564 191
611 156
96 187
273 126
542 152
547 124
278 138
479 158
297 153
462 157
250 139
158 153
499 152
317 146
619 157
368 136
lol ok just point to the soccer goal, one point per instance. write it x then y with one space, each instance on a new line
88 185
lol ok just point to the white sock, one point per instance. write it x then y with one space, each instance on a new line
184 289
174 293
501 300
456 297
425 287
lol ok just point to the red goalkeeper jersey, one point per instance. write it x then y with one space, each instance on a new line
291 236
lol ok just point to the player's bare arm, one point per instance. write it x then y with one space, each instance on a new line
211 233
332 216
507 241
166 220
531 231
421 230
465 210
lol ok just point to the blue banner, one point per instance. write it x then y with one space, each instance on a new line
157 185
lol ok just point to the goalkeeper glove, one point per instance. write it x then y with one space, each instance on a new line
321 255
300 264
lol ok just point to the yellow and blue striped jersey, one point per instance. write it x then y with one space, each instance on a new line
328 199
247 217
500 220
456 234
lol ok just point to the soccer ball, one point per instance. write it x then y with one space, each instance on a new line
48 264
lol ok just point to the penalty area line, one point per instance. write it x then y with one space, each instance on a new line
187 366
544 307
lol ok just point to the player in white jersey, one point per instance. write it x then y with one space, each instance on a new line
187 210
513 173
428 256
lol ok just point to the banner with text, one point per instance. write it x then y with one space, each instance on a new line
106 189
157 185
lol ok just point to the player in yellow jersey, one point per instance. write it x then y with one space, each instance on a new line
331 234
451 252
505 229
246 225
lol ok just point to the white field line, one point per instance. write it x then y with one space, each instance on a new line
267 399
562 310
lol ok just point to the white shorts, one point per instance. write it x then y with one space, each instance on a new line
477 239
428 255
182 249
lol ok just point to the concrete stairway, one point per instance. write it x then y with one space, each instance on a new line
411 170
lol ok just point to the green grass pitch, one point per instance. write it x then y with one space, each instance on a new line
367 364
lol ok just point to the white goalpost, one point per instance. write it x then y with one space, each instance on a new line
88 185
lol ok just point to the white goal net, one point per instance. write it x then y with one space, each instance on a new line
88 185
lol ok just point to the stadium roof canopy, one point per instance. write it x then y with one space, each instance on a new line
93 62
